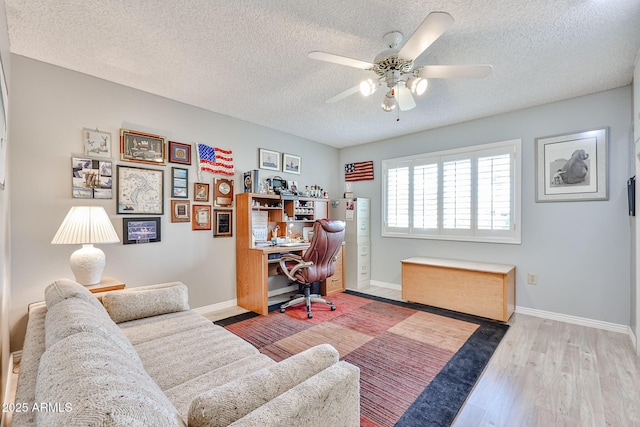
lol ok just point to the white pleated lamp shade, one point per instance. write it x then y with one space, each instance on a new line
86 225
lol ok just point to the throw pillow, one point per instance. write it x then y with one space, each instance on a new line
137 303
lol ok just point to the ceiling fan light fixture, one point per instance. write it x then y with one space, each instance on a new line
389 102
369 86
417 85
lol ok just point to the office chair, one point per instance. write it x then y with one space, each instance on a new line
317 263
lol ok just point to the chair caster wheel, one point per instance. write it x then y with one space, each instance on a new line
282 310
333 308
309 315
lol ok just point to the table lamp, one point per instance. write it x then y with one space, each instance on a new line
86 225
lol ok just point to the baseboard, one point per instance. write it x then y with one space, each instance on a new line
216 307
387 285
582 321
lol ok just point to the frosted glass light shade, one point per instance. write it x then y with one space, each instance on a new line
86 225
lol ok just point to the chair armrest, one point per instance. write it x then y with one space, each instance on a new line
329 398
300 264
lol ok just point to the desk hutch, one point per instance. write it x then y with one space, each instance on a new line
254 265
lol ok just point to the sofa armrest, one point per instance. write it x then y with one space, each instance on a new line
229 402
146 301
329 398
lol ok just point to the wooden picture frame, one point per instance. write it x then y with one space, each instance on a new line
291 163
223 192
200 192
91 178
572 167
179 153
269 160
140 191
180 211
180 183
201 217
141 230
142 147
96 143
223 223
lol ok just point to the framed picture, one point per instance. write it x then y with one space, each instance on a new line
222 192
179 153
291 163
179 183
91 178
223 223
142 147
200 192
201 217
140 230
96 143
269 160
572 167
140 191
180 211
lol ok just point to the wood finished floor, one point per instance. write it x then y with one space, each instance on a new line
548 373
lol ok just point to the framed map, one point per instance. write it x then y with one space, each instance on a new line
140 191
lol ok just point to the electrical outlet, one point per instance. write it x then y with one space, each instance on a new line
532 278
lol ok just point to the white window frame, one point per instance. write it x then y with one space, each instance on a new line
512 236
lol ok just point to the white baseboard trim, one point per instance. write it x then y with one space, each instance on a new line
581 321
215 307
387 285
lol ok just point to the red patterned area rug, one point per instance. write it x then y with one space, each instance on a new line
417 363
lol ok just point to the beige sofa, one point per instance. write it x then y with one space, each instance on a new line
141 357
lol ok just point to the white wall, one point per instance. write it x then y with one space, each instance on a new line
5 226
580 250
635 288
51 106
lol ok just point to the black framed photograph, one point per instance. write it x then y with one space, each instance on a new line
223 223
269 160
572 167
179 183
179 153
91 178
140 230
140 191
142 147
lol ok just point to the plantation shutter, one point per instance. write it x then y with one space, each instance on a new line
494 192
397 196
456 194
425 196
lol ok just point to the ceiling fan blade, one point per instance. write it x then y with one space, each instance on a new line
433 26
343 95
404 98
342 60
455 71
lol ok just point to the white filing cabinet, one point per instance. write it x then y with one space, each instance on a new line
356 214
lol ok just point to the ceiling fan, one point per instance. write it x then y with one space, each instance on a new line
395 66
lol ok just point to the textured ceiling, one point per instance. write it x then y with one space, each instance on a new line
248 59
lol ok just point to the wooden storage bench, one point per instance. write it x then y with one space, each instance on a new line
485 290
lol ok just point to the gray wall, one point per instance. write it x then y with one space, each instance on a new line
580 250
51 106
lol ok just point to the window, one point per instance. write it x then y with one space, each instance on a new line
468 194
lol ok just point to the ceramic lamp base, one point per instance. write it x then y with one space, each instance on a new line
87 264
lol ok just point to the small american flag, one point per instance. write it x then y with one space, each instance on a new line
215 160
358 171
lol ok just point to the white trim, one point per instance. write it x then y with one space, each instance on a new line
581 321
215 307
386 285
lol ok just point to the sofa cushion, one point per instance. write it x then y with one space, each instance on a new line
164 325
98 384
137 303
74 315
223 405
63 289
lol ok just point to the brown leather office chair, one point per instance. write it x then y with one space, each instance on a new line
317 263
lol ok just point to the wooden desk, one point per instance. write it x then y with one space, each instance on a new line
481 289
106 284
252 276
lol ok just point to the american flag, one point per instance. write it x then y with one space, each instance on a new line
358 171
215 160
